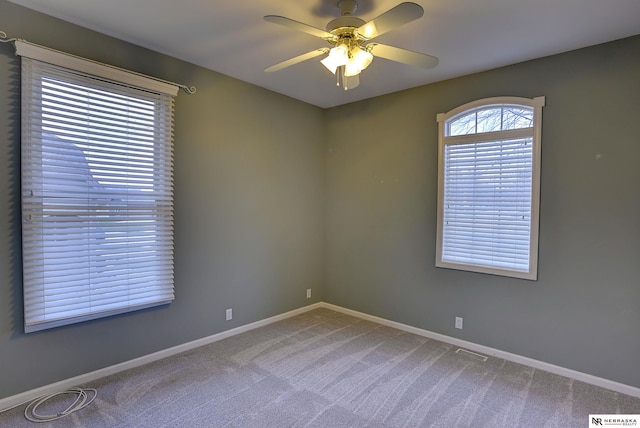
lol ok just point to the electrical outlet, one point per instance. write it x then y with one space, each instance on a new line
308 293
459 322
229 314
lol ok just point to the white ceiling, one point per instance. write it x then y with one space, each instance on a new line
467 36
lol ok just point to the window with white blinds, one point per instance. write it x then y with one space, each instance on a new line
489 186
97 196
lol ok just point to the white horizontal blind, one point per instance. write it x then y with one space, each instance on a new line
487 203
488 187
97 196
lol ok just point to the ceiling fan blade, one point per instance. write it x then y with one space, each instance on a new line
297 59
403 55
393 18
299 26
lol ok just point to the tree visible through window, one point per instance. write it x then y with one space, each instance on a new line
488 187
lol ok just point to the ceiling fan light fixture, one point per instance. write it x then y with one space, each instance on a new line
351 69
361 57
350 82
338 56
329 64
350 38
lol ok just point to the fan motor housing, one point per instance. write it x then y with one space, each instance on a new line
349 23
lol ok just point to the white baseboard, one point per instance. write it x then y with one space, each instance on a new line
18 399
551 368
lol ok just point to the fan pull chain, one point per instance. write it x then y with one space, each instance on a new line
345 81
340 78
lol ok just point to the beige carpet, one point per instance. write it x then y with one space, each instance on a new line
326 369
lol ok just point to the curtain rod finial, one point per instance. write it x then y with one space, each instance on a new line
4 38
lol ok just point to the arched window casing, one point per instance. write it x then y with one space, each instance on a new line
489 186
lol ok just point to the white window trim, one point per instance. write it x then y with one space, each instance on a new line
536 103
83 65
105 73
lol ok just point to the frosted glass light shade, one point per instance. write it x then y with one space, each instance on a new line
358 61
337 57
361 57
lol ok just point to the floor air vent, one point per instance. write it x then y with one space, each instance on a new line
471 353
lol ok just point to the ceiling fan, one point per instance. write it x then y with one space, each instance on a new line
351 38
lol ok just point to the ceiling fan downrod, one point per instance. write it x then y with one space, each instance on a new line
347 7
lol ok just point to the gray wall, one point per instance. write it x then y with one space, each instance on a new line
583 312
249 177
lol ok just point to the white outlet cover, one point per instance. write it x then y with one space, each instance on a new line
229 314
459 322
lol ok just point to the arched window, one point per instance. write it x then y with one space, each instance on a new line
489 186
